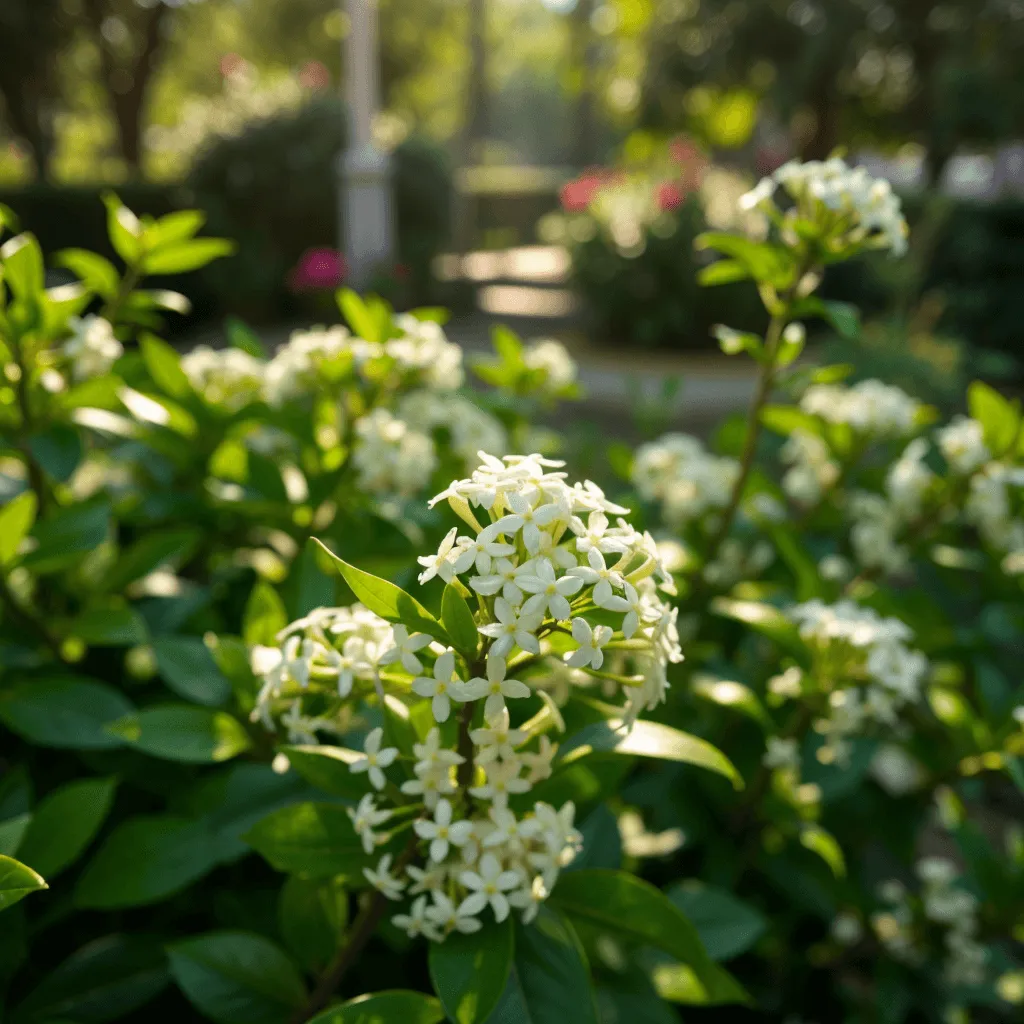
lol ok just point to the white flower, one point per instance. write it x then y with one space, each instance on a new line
632 604
502 779
479 552
554 360
405 649
443 688
226 376
431 755
509 831
871 407
442 831
513 627
782 752
382 879
441 564
962 443
489 884
495 687
92 348
539 762
529 898
528 519
591 641
449 917
365 818
416 921
504 575
603 578
374 759
497 740
549 593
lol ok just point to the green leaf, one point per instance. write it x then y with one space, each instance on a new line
388 601
394 1007
108 979
179 226
180 732
23 267
63 711
148 553
264 616
785 419
99 275
508 346
844 318
164 366
243 337
109 624
763 260
360 319
999 418
186 665
58 449
66 535
729 694
12 831
17 880
8 219
458 622
145 860
312 918
726 926
722 272
313 840
16 519
124 229
469 972
633 909
328 769
549 982
65 823
182 257
765 619
237 978
804 568
824 844
648 739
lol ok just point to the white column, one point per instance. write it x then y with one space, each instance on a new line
366 208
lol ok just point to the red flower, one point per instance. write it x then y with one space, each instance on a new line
318 269
314 76
670 195
577 195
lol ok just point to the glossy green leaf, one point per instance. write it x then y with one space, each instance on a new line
66 535
726 925
633 909
23 267
309 839
722 272
360 319
470 972
388 601
58 449
312 917
999 418
99 275
824 844
729 694
111 623
243 337
648 739
328 768
12 831
179 226
764 261
16 519
108 979
392 1007
17 881
185 256
148 553
123 228
164 366
237 978
65 823
765 619
458 622
63 711
264 616
179 732
186 665
785 419
549 982
145 860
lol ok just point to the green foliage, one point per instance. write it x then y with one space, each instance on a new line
470 972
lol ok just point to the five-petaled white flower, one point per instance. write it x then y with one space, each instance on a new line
591 641
382 879
374 759
631 604
445 914
504 574
502 779
591 534
480 552
489 884
528 519
509 831
495 687
549 593
539 763
498 740
598 573
443 688
441 564
442 831
365 818
405 649
416 922
513 627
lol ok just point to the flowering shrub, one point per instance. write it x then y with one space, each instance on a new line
289 740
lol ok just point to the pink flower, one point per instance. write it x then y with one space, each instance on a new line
314 75
318 269
577 195
670 195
